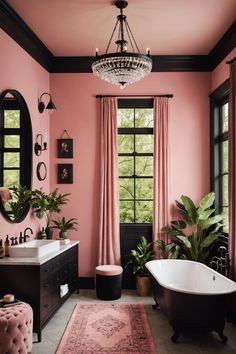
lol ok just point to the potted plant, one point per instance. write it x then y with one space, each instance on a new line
195 235
139 257
45 205
20 196
64 225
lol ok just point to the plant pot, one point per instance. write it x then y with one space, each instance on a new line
143 285
49 232
63 234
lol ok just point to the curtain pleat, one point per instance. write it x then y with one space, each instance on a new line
161 173
232 170
109 238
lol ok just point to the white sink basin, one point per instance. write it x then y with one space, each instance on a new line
35 248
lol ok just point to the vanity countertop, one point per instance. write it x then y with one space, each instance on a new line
34 260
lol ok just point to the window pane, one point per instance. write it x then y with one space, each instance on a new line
11 159
11 118
144 212
143 117
226 219
126 188
11 178
126 118
126 165
144 143
225 156
126 212
125 144
144 165
225 190
143 188
225 117
11 141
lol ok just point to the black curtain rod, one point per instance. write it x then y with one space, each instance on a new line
148 96
231 61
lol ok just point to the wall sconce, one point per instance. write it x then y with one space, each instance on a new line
41 104
40 144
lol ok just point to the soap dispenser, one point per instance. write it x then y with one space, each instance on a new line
6 246
2 253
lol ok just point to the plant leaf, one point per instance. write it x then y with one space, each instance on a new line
184 240
207 201
205 224
209 240
178 224
190 208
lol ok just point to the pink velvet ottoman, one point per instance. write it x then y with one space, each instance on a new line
16 325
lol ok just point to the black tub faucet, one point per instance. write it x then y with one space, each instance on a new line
25 233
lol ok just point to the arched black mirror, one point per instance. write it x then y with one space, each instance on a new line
15 155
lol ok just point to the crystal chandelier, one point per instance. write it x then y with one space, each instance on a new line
122 67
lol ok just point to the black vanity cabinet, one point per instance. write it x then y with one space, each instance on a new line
40 284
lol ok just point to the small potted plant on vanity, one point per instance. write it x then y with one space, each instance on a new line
45 205
64 225
138 257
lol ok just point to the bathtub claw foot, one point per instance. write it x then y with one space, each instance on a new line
175 337
222 337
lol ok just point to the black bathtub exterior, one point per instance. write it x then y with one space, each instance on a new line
190 312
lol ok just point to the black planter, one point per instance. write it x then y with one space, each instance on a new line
49 232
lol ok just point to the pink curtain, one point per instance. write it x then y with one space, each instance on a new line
109 238
232 169
161 173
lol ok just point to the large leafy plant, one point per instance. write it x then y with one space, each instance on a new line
195 235
45 205
141 255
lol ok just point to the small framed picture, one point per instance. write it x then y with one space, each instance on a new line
65 173
65 148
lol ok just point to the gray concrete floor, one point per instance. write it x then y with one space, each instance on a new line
194 344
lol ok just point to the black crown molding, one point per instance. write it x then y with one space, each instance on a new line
18 30
223 47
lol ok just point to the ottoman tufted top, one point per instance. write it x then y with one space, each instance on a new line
16 324
108 270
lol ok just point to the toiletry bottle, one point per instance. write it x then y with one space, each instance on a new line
2 253
6 246
43 234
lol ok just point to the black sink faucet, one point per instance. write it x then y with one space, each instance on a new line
25 233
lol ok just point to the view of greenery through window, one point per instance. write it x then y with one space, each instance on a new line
135 147
224 171
10 148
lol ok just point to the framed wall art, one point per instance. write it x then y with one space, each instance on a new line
65 173
65 146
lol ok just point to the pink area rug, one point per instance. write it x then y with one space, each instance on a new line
107 329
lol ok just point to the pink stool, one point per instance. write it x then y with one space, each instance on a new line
16 326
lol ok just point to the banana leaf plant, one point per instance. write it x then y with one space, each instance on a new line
200 229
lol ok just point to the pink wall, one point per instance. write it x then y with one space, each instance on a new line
221 72
20 72
78 112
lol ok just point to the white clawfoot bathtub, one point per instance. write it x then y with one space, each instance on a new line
193 296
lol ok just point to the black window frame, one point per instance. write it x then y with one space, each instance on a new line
135 103
218 98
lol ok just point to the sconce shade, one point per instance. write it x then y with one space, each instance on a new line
41 105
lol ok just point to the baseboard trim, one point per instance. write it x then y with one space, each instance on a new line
86 283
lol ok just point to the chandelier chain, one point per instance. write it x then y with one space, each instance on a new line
111 36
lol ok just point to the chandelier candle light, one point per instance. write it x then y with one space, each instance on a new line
122 67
